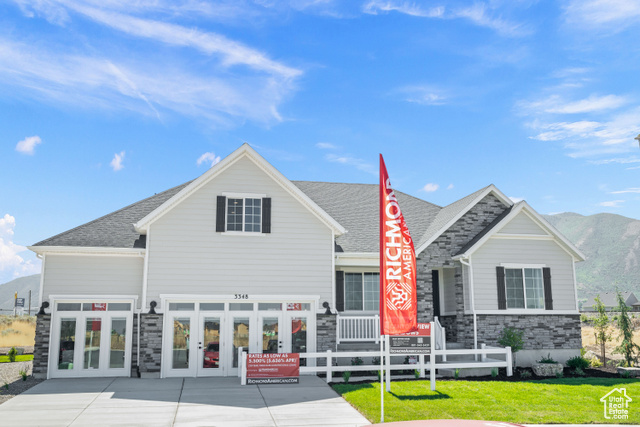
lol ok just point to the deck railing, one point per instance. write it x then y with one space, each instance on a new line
358 329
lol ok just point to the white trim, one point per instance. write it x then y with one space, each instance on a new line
244 151
357 259
80 298
236 195
522 265
491 189
519 207
87 250
522 311
575 283
231 298
333 272
41 296
244 233
145 272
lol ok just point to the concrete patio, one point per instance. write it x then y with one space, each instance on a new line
178 402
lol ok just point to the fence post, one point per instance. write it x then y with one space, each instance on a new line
444 345
329 366
509 362
243 369
483 356
421 359
432 371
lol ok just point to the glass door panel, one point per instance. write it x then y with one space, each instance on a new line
181 342
93 332
67 343
299 337
118 343
270 335
240 337
211 344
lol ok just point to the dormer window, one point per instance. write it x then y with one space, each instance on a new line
243 213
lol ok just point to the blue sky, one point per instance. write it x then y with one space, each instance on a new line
105 102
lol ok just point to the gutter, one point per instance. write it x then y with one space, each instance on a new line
473 303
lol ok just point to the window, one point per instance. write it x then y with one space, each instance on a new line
361 291
524 288
244 214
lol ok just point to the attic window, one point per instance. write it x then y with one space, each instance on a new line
243 213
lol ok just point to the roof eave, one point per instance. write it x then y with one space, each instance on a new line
41 250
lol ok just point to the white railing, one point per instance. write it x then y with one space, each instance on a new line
439 337
358 329
426 362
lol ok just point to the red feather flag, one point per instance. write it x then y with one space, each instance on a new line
398 295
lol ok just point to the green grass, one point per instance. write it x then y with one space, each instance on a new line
19 358
553 401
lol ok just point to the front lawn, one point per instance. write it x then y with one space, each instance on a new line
19 358
552 401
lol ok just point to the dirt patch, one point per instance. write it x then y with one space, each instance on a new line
17 331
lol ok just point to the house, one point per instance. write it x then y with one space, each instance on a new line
241 256
610 301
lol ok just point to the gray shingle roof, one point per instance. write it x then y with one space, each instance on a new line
446 214
114 230
610 300
355 207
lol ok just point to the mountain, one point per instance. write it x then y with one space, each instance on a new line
22 285
611 244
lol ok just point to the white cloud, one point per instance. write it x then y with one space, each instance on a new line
28 145
613 14
208 158
516 199
424 95
352 161
621 160
555 104
450 187
326 146
116 162
628 190
479 14
612 204
430 187
10 261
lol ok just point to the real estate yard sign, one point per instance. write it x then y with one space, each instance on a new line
418 342
273 368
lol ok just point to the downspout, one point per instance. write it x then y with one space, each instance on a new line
473 303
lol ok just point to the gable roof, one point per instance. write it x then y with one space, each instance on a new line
114 230
245 151
505 218
356 207
453 212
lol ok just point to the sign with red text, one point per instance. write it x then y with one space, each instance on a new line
417 342
273 368
398 295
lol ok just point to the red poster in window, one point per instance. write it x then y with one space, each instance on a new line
398 295
100 306
273 368
96 324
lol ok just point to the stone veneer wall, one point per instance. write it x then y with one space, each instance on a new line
326 330
541 331
441 251
150 345
41 346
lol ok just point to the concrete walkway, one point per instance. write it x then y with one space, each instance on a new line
178 402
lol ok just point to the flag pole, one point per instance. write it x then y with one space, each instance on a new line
381 379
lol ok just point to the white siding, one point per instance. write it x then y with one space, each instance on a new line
522 251
92 275
522 224
449 290
187 256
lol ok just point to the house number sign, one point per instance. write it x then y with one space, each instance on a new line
241 296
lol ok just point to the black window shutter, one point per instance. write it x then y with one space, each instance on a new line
548 296
266 215
502 289
340 290
221 208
